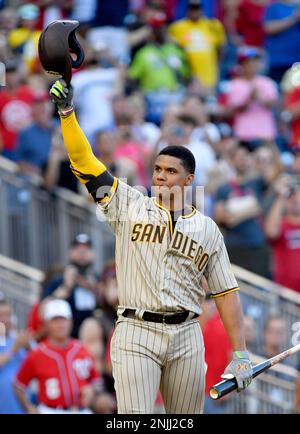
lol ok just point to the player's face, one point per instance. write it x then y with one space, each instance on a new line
168 173
59 329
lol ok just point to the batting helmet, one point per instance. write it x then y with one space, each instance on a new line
56 43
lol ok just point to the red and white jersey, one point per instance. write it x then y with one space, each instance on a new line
60 372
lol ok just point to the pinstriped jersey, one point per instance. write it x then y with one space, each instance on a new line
159 268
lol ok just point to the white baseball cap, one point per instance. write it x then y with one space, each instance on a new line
57 308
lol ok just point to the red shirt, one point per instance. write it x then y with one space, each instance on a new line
286 256
292 98
34 322
218 350
250 22
15 114
60 372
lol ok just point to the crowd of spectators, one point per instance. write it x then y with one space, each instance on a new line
219 77
204 75
91 302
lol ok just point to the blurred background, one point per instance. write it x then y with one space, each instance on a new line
217 76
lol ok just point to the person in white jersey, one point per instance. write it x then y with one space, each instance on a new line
163 250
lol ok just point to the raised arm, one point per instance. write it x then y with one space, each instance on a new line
86 167
274 217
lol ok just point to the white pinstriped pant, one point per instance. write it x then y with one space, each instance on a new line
147 356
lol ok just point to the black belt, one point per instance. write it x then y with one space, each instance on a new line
166 318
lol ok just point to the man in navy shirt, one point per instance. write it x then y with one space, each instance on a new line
34 142
282 27
111 13
77 285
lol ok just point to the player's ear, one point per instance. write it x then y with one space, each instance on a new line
189 179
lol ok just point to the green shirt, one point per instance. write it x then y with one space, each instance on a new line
159 67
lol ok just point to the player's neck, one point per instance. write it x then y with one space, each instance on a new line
178 206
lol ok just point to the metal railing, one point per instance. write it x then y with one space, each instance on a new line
20 285
37 227
273 391
262 298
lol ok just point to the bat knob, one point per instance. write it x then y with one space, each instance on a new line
223 388
213 393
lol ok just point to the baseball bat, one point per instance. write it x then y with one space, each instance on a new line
226 386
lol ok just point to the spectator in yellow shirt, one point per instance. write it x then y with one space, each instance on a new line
24 40
201 38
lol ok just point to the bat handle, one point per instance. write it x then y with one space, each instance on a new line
226 386
223 388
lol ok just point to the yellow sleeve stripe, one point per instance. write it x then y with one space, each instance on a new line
107 199
193 212
225 292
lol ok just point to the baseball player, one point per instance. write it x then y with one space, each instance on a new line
64 369
163 249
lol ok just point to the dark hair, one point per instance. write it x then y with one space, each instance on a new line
183 154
